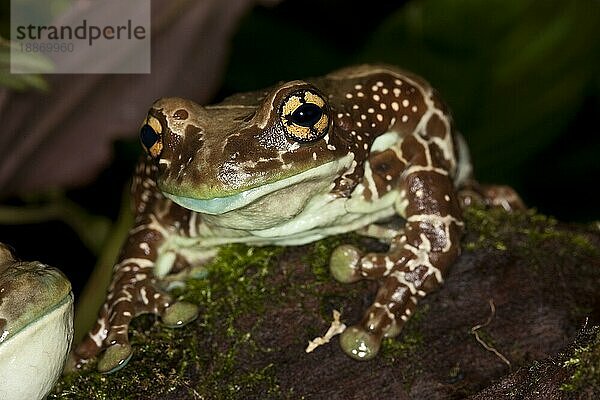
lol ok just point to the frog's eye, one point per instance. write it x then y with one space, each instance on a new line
150 136
304 114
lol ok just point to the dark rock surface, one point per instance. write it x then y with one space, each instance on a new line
516 318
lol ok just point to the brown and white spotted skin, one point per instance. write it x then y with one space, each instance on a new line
289 165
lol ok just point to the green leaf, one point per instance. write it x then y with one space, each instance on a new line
22 61
514 72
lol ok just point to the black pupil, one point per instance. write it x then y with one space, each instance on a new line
148 136
307 115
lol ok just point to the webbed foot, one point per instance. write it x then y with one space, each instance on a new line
127 299
360 344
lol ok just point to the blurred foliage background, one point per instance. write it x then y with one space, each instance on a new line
521 77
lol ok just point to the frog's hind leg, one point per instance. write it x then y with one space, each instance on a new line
472 192
498 196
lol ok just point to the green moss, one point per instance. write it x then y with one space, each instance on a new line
585 364
485 229
236 285
235 281
408 342
174 348
496 228
525 232
402 349
204 364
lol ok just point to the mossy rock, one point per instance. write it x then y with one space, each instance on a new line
521 291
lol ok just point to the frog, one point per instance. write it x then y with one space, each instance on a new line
289 165
36 326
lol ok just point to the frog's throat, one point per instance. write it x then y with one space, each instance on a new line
221 205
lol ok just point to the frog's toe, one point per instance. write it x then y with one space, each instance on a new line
360 344
344 264
497 196
179 314
114 358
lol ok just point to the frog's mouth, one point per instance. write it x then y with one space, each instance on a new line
221 205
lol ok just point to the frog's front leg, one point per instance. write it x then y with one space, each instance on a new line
134 290
416 262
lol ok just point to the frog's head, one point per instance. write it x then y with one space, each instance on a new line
277 145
